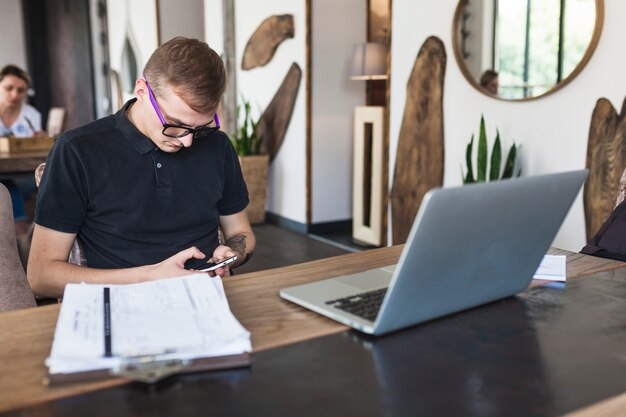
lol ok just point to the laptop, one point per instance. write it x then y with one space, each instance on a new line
468 246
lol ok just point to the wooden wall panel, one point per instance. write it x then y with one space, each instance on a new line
606 160
419 158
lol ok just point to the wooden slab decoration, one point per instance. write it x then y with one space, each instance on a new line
265 40
275 120
606 160
419 157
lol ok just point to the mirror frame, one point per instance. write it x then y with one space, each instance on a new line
456 42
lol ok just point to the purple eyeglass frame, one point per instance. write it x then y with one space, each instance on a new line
202 130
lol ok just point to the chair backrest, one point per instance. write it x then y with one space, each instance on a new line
56 117
77 253
621 189
610 240
15 292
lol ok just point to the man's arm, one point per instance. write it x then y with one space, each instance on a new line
48 269
238 236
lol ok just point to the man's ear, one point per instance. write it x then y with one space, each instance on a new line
141 90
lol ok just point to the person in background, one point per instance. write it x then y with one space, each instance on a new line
489 81
20 120
148 188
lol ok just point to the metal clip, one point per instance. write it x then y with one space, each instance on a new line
150 368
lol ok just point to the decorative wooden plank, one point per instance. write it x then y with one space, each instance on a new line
229 99
265 40
606 160
275 120
419 158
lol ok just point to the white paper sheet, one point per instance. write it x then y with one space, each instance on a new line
188 316
553 268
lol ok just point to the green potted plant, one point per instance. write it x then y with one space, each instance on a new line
254 164
495 162
246 139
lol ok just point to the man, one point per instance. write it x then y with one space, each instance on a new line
145 189
489 81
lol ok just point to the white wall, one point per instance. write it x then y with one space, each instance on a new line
138 21
181 18
214 25
287 176
334 97
13 45
553 130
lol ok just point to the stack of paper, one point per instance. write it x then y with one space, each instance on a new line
552 267
100 326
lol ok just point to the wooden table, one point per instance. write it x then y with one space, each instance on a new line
21 163
26 335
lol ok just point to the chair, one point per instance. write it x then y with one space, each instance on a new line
77 253
621 189
610 241
15 292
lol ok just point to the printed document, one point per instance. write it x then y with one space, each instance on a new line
187 317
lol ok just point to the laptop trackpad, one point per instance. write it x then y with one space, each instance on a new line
368 280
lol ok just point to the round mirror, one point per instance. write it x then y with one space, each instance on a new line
524 49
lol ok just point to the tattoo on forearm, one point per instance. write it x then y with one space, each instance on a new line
238 244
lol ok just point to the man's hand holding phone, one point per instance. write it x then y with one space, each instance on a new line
206 265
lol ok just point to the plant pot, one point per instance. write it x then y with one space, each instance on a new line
254 168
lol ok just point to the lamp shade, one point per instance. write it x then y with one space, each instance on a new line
369 61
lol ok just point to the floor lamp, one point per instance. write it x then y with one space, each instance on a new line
368 63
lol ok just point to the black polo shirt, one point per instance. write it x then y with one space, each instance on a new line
132 204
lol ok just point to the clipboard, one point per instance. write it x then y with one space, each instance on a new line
152 368
145 332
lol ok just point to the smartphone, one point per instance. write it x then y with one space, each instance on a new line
201 265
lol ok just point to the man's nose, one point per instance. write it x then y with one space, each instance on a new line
186 140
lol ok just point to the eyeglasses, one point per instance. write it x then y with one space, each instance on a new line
175 131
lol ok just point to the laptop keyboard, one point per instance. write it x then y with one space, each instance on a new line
364 305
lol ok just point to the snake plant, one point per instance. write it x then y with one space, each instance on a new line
246 139
495 162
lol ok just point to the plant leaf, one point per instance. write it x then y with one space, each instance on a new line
481 157
246 139
255 139
469 178
237 113
246 125
496 159
509 165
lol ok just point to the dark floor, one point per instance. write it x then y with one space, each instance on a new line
276 247
341 238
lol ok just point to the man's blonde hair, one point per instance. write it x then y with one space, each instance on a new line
193 70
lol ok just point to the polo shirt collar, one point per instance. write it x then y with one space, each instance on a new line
138 140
